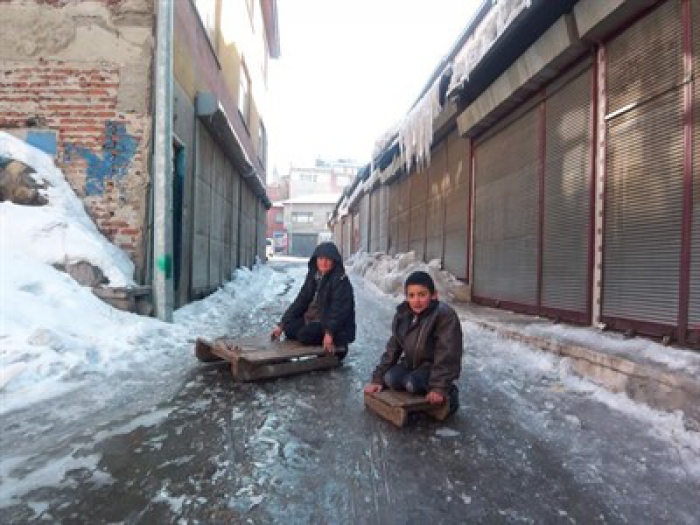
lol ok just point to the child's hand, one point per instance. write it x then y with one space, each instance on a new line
371 388
276 332
435 398
328 344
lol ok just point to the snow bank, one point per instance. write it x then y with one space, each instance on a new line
388 273
60 232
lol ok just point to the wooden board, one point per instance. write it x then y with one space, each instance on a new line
395 406
261 358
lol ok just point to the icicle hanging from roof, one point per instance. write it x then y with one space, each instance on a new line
416 131
499 17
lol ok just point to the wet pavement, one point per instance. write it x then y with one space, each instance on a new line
194 447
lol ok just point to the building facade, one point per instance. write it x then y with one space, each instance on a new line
78 82
562 174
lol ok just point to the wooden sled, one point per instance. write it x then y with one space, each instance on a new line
396 406
260 358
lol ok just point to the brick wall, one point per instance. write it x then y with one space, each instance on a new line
102 151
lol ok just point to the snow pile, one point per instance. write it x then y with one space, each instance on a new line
56 335
388 273
496 21
60 232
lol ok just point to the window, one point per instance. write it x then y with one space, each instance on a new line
279 217
244 95
302 216
262 144
342 180
308 177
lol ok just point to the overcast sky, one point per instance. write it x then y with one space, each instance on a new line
350 69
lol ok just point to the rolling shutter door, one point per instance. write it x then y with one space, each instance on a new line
505 215
567 198
393 243
418 181
403 215
694 303
200 254
437 174
217 224
644 171
383 193
374 220
456 197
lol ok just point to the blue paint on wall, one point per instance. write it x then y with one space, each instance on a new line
43 140
118 151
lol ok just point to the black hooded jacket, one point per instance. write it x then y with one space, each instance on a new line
335 297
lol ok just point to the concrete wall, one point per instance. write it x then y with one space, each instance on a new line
83 71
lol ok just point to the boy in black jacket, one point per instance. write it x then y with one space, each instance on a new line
324 311
424 353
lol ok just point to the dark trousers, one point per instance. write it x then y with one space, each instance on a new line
310 334
400 377
307 334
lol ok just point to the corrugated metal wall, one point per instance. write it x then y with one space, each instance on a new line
383 218
506 213
644 170
202 215
418 193
435 205
456 195
221 201
567 197
393 207
374 219
364 217
694 302
404 211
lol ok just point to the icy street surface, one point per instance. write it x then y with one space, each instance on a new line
176 441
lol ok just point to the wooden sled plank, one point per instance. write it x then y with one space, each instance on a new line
203 349
264 350
395 414
395 406
260 358
247 371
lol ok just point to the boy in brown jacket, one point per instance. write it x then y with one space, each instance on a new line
424 353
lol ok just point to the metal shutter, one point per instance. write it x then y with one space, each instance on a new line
418 195
694 303
374 232
202 206
567 198
506 213
456 197
644 172
393 241
217 223
403 215
363 216
383 193
437 176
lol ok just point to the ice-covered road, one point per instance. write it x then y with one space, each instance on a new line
169 440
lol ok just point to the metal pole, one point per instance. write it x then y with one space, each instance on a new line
162 165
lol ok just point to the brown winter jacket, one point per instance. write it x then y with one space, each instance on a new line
436 343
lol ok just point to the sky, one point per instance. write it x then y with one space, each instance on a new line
350 70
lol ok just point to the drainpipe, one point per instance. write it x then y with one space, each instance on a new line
162 164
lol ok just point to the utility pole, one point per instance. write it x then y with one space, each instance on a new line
163 165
